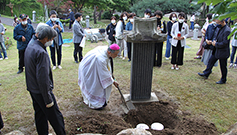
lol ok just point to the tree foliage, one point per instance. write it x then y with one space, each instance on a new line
166 6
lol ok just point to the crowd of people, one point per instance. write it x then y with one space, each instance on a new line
95 73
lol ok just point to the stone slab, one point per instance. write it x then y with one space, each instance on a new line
153 98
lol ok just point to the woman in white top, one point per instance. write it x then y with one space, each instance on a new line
179 33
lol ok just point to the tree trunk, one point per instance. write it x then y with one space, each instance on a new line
95 15
100 15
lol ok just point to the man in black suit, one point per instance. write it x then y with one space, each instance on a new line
221 51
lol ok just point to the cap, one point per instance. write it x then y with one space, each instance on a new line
23 16
114 47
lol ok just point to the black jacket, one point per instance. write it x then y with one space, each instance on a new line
110 30
38 72
222 47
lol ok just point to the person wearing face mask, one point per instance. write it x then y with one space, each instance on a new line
129 27
161 26
78 34
125 19
28 20
147 13
179 33
209 36
204 28
221 51
39 82
173 19
15 22
110 30
58 41
22 34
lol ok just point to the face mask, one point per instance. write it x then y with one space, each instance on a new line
218 25
113 21
53 19
125 18
174 19
147 16
181 20
131 20
81 19
24 22
49 43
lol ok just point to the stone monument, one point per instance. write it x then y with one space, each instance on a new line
87 21
11 7
143 37
195 32
34 16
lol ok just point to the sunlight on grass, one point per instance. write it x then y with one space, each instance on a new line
217 103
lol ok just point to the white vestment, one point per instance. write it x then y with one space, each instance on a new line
95 77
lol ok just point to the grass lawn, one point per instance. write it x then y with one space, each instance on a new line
217 103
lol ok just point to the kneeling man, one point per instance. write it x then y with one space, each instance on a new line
95 75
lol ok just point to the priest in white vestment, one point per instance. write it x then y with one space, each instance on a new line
95 76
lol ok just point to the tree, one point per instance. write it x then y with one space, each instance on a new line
166 6
225 9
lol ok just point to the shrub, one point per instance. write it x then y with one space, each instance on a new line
106 15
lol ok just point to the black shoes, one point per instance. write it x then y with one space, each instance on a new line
20 71
76 62
220 82
203 75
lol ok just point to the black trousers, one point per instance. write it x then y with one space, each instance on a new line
77 50
129 46
21 59
177 54
1 121
59 54
70 24
223 64
158 54
43 115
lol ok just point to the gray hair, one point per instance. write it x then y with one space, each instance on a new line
110 50
40 26
48 32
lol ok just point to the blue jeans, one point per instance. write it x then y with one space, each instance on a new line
2 44
168 47
232 56
192 25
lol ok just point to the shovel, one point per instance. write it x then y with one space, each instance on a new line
129 105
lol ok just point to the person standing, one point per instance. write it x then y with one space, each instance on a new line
161 26
58 41
110 30
95 76
78 34
15 22
179 33
28 20
221 52
173 18
234 47
2 44
204 28
119 34
22 34
72 19
192 20
39 82
129 27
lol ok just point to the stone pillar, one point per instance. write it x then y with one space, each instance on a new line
143 37
87 21
195 32
34 16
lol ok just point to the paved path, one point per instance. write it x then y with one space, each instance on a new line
9 21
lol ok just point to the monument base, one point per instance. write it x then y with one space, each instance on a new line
153 98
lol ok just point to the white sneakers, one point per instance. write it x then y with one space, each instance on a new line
4 58
1 58
54 67
174 67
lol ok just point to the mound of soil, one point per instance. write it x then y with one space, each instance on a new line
174 121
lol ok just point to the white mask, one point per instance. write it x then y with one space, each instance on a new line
147 16
207 20
125 18
53 19
49 43
131 20
24 22
174 18
113 21
81 19
181 20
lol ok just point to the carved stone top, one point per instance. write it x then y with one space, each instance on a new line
144 30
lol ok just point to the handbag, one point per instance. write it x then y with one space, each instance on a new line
205 45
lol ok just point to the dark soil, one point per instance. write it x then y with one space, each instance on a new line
175 121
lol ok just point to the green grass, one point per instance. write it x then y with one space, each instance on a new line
217 103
